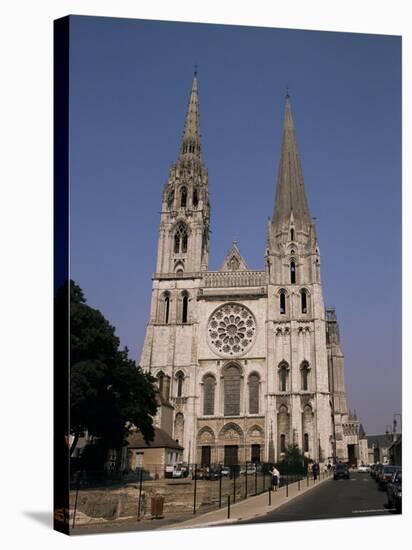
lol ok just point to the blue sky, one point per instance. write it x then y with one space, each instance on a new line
130 83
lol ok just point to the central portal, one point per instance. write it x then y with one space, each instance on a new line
231 455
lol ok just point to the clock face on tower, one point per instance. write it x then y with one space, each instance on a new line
231 330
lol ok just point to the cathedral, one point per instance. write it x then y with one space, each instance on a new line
248 362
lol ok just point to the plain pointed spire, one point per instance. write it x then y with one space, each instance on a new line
290 190
191 148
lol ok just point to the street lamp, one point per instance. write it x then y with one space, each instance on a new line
395 423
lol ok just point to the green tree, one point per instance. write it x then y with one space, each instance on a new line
293 461
108 393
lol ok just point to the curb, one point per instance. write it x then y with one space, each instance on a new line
261 508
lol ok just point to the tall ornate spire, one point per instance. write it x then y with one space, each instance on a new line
191 148
290 191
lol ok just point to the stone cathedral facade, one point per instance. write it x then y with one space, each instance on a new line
249 360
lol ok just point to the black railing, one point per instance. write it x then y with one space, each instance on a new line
183 490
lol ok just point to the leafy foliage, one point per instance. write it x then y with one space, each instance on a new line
108 392
293 461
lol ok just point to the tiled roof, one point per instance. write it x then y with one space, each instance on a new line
161 439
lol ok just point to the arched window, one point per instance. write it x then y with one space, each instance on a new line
177 243
254 394
292 272
179 381
209 384
304 370
167 308
180 239
282 443
303 300
185 307
183 197
160 381
282 302
184 242
283 377
231 383
195 199
305 443
164 308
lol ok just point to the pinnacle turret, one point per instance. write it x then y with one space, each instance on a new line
191 148
290 191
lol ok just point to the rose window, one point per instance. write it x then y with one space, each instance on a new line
231 329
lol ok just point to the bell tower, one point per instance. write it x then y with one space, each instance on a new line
296 312
184 224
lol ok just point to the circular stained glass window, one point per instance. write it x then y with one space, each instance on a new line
231 330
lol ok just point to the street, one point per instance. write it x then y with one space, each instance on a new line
356 497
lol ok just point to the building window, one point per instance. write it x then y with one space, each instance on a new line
185 307
179 379
184 242
195 198
160 381
304 300
304 370
183 197
292 234
177 243
305 443
209 385
139 459
282 302
282 443
283 377
180 239
254 394
292 272
167 308
231 383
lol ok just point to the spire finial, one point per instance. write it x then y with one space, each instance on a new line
287 91
290 191
190 148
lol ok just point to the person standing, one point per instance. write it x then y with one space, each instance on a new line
315 470
275 478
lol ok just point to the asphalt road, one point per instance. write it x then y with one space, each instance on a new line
358 496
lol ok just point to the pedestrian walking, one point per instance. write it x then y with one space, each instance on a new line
275 478
315 470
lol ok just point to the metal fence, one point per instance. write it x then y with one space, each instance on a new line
153 493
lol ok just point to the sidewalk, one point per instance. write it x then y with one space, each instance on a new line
253 506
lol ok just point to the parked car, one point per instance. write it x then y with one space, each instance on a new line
225 471
212 473
341 471
385 475
250 469
364 469
394 492
200 473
